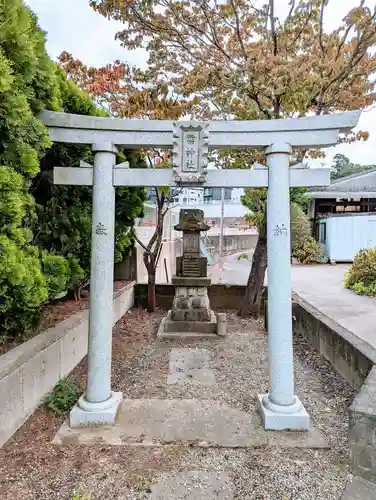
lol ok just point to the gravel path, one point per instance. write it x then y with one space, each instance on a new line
31 468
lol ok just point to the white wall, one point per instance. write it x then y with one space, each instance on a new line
346 235
236 194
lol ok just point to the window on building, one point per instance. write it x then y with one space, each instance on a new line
184 200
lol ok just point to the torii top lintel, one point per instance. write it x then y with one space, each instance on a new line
190 142
316 131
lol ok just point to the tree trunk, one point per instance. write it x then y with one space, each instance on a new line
151 291
255 285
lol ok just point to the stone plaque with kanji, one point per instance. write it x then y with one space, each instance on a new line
190 152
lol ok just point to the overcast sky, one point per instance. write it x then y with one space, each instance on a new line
73 26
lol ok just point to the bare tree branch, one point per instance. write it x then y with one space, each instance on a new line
157 195
150 161
322 8
256 99
141 244
158 255
238 30
292 3
152 240
272 27
355 58
170 208
304 26
345 35
204 35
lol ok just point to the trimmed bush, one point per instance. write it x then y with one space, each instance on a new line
303 246
45 229
361 277
56 271
27 85
23 288
308 251
61 274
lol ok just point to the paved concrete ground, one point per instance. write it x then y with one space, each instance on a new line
359 489
231 270
195 485
321 286
156 422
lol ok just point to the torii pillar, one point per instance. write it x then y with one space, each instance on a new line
99 404
280 408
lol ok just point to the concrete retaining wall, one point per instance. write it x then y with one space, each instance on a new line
350 356
362 430
355 360
31 370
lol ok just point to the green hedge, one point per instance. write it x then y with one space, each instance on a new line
23 288
303 246
361 276
45 229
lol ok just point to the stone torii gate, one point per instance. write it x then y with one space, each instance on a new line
190 142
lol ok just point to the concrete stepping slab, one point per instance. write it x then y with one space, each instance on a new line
194 485
359 489
190 365
207 423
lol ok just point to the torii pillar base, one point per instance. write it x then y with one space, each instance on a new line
283 418
85 414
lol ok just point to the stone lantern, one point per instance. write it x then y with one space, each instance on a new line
191 315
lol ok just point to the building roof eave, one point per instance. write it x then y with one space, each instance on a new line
341 194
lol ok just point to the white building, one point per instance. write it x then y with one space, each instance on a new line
236 195
209 200
189 196
343 215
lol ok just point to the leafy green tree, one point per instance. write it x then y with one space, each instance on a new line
44 246
342 167
63 222
27 85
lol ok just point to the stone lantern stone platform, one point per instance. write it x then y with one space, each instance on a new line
191 315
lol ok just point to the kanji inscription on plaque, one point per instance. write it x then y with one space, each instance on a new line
190 152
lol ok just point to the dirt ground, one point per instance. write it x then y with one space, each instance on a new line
31 468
